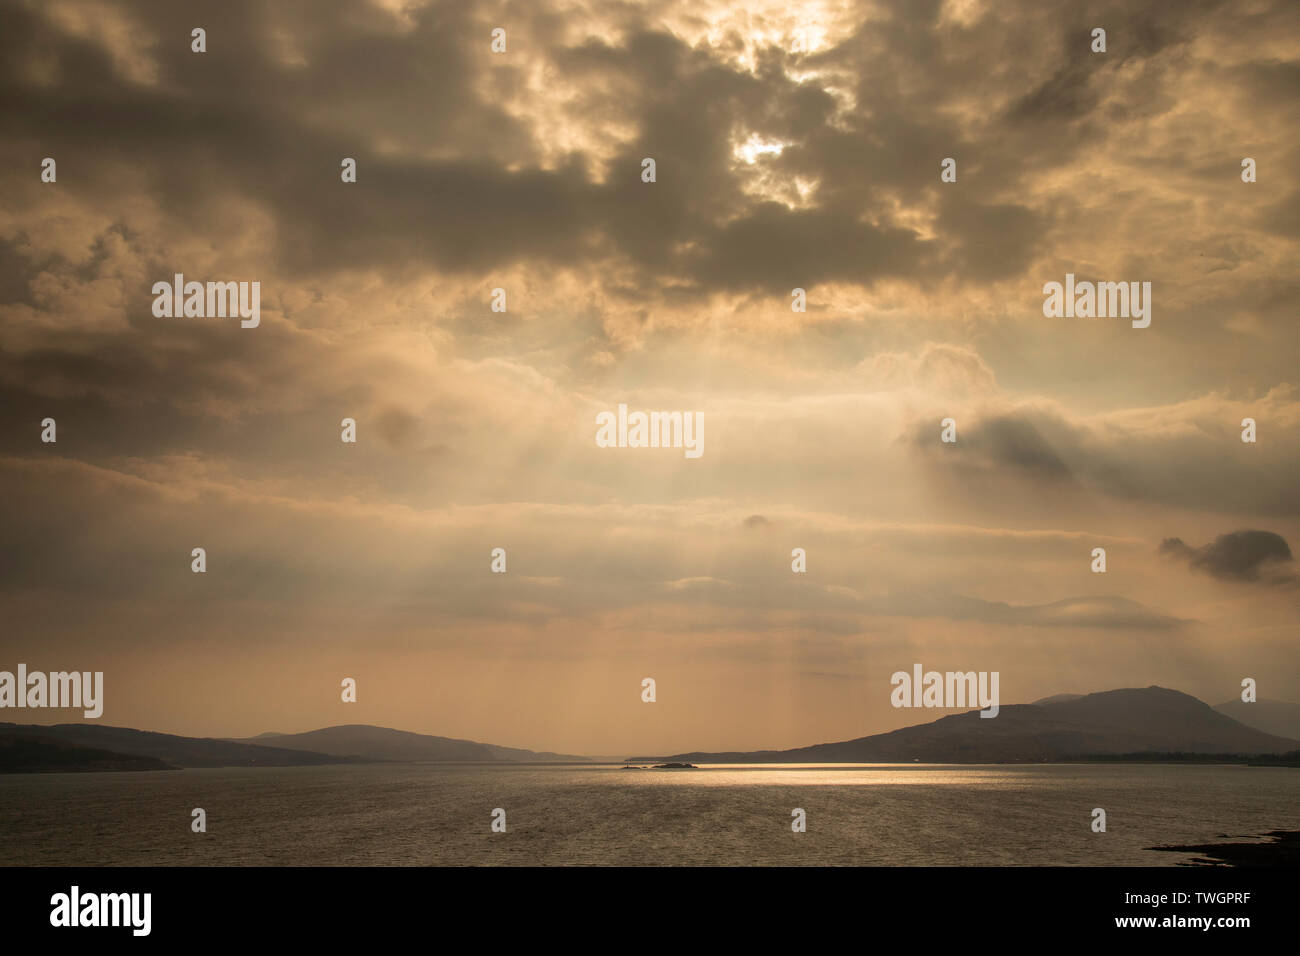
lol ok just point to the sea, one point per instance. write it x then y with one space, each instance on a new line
599 815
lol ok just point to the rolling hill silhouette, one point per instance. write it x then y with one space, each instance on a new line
1271 716
1130 721
168 748
20 753
1151 720
383 743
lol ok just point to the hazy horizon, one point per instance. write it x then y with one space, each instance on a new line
921 717
797 146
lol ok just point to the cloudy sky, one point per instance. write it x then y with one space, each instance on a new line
796 145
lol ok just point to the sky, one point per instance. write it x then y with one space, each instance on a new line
795 146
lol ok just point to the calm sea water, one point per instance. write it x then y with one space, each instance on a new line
740 815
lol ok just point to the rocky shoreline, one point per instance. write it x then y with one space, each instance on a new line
1282 850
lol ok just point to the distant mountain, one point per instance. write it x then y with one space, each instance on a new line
1271 716
170 749
1146 720
382 743
24 754
1058 699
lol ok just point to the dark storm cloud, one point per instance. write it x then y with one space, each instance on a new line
1255 556
141 393
1019 444
286 90
1075 89
464 188
1062 97
1017 229
1012 440
232 122
460 185
775 248
1179 455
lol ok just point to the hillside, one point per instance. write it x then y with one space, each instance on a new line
1133 720
169 748
23 754
382 743
1271 716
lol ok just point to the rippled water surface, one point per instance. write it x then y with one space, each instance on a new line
437 814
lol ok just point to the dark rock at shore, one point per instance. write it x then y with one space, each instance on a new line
1282 850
